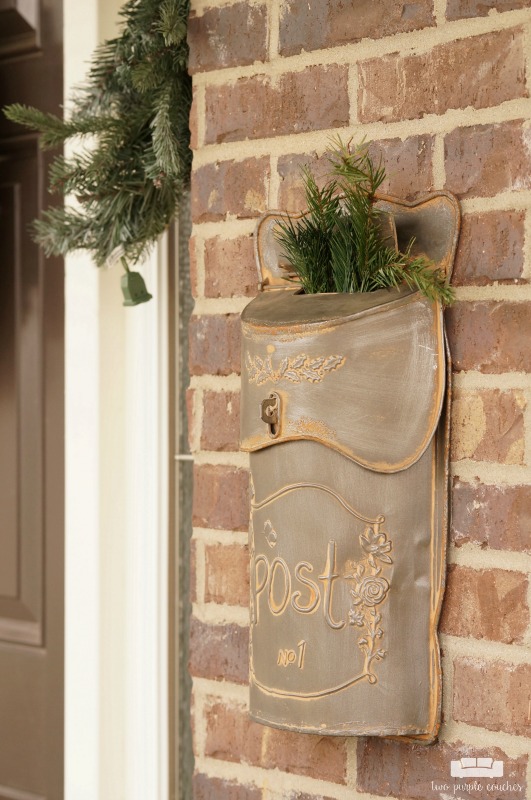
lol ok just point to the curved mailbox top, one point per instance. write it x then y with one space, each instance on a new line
363 374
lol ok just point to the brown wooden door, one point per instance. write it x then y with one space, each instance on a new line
31 423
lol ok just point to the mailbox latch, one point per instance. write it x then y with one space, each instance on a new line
270 414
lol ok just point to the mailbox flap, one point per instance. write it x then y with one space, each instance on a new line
363 374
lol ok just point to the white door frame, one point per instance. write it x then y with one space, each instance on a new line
117 493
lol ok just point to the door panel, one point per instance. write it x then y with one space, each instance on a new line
31 423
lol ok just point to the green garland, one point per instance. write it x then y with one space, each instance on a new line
135 107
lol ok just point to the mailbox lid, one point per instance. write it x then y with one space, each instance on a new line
363 374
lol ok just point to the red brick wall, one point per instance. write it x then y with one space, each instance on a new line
442 89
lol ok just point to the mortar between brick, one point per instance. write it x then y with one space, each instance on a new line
273 32
225 458
217 614
439 11
513 294
473 555
489 472
216 383
235 693
217 536
221 305
514 746
229 228
484 650
519 200
482 380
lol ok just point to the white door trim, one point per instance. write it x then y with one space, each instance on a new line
116 428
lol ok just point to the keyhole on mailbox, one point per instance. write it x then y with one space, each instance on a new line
270 414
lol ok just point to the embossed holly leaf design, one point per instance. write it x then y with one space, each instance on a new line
299 361
332 362
251 368
284 364
269 368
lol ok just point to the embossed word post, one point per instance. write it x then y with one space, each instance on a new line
345 401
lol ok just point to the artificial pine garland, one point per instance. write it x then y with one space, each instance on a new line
134 107
337 245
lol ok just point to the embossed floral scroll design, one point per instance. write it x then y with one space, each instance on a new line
369 590
297 369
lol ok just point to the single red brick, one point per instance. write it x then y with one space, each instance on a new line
493 695
493 516
416 771
291 193
229 36
320 757
490 337
490 249
194 135
230 267
193 571
488 425
191 421
296 102
214 344
479 71
221 497
227 574
219 652
234 188
206 788
329 23
407 163
486 604
221 421
193 244
232 735
459 9
476 159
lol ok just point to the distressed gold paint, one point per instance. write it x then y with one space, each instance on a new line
336 541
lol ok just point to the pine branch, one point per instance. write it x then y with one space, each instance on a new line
337 246
134 106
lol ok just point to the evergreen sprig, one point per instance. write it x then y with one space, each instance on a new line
134 107
337 246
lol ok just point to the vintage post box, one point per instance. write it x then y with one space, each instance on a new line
345 414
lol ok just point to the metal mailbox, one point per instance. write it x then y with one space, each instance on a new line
345 408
